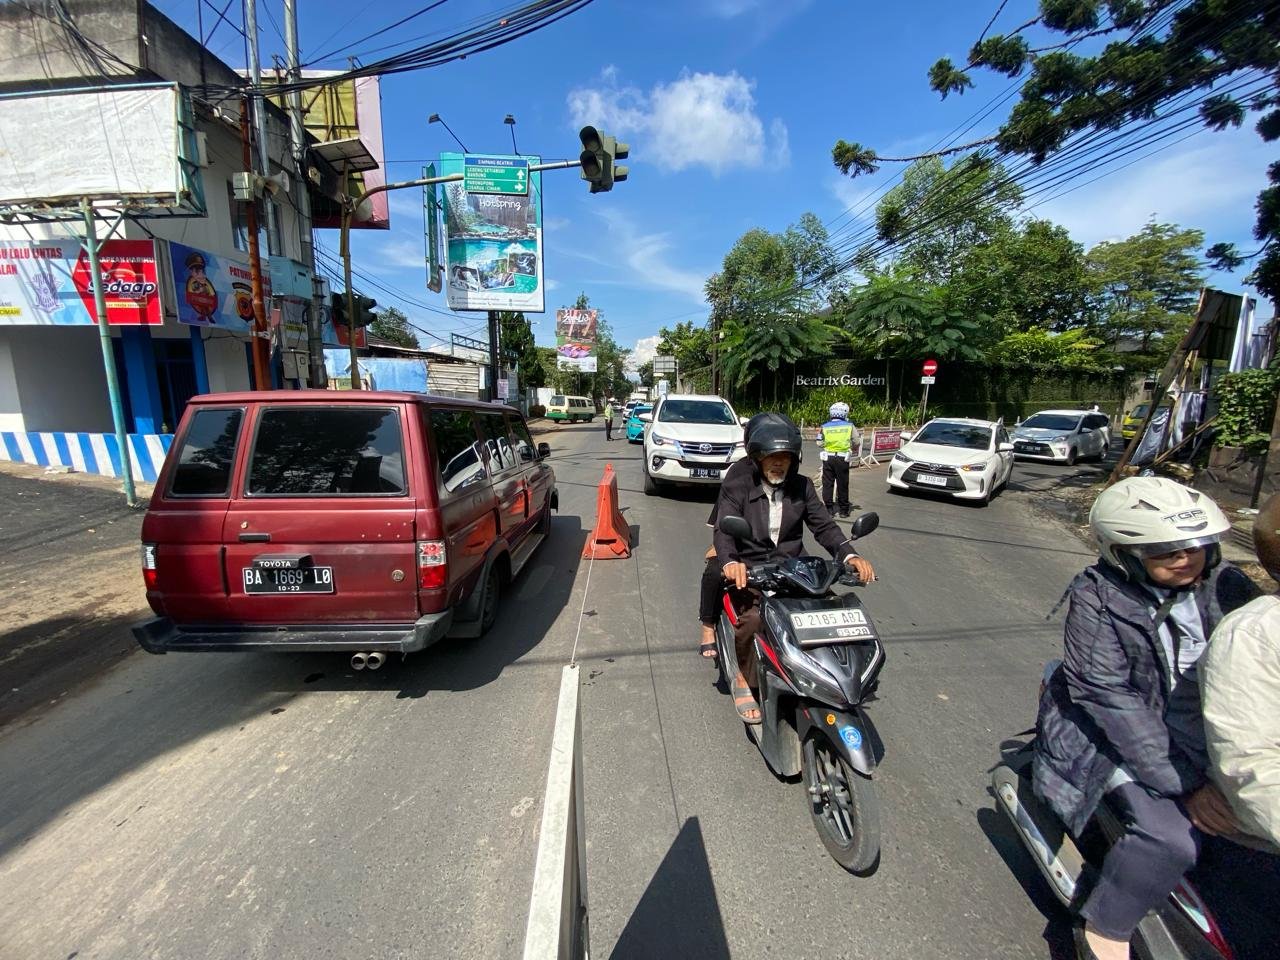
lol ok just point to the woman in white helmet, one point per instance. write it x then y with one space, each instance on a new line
1121 717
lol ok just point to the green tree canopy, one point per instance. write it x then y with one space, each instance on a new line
896 315
392 325
516 337
1219 57
1144 288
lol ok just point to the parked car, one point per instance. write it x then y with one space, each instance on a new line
635 425
628 408
690 438
571 409
1063 436
373 522
968 459
1133 419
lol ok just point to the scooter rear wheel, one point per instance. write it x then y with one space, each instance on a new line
844 806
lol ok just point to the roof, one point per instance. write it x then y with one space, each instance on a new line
694 396
969 420
342 396
1078 412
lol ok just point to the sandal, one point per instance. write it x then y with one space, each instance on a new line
744 701
707 648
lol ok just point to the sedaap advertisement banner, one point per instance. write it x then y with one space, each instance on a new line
48 283
493 245
215 290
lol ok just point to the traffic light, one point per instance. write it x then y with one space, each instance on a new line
599 151
364 310
338 308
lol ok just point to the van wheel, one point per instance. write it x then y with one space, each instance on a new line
489 599
650 485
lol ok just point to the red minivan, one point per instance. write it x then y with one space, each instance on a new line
360 521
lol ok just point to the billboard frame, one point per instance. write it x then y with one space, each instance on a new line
187 199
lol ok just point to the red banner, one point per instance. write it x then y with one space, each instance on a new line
129 282
885 441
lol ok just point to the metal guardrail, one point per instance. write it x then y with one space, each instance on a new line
557 928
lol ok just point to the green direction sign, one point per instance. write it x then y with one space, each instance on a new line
504 175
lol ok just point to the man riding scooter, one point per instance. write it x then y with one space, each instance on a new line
777 502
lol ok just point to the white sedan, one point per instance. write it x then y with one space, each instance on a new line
968 459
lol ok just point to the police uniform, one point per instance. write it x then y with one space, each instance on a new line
837 439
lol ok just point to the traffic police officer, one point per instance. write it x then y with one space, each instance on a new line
837 437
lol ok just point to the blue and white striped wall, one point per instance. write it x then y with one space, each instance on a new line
88 452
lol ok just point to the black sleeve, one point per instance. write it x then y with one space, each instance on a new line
825 530
728 504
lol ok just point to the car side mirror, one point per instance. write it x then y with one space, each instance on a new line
1004 448
646 418
544 450
906 435
865 524
735 527
743 421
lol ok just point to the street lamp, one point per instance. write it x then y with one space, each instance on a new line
510 121
436 118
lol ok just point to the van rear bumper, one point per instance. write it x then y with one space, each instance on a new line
161 635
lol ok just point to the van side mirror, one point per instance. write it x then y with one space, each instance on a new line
735 527
646 418
864 525
1004 447
906 435
544 450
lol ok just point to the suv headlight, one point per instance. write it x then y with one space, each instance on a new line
658 439
901 459
974 467
1059 440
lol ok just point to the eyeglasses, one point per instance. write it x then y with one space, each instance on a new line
1175 554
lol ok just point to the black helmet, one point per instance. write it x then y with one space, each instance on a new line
769 433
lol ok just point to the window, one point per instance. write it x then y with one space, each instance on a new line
496 442
1096 421
1052 421
696 411
457 454
526 450
557 401
955 435
327 451
207 453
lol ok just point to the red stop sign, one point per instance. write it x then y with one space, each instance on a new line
930 367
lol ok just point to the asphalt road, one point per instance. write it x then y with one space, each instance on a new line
283 806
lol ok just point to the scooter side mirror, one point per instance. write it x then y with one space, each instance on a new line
864 525
736 527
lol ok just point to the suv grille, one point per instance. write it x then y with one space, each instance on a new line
719 451
940 469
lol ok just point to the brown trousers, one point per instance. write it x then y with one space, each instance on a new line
747 604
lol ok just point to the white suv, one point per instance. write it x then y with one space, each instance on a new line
690 439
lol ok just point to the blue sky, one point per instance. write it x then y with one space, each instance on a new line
731 108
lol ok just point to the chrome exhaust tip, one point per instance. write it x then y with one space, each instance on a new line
359 661
374 660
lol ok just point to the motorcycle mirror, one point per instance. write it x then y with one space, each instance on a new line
865 524
737 528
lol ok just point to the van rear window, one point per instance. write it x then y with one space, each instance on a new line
208 450
327 451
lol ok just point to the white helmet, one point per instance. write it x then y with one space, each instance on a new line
839 410
1147 516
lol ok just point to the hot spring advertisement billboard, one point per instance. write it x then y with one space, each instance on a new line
493 256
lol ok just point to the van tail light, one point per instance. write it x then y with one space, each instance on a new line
433 564
150 575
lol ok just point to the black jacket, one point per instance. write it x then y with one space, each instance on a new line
742 494
1105 705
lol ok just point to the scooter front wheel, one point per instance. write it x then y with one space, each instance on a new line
844 806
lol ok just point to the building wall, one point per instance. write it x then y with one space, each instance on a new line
57 372
228 364
10 406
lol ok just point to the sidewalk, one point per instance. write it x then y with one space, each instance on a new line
69 559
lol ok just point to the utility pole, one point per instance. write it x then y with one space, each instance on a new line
108 352
260 119
261 353
493 355
345 250
298 140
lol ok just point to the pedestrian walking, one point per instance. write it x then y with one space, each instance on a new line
608 419
836 437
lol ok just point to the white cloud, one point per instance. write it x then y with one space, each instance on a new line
394 254
678 120
857 199
1210 184
552 285
646 349
405 203
645 254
